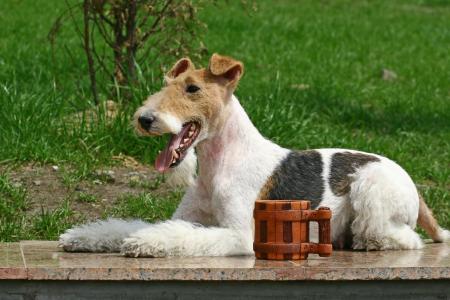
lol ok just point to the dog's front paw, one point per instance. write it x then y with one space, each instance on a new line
140 247
73 241
100 236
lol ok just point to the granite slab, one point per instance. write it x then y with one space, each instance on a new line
43 260
11 262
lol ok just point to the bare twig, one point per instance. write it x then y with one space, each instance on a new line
100 60
103 31
131 39
155 23
70 11
105 18
88 52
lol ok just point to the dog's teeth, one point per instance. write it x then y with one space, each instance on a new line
181 146
175 154
185 140
191 133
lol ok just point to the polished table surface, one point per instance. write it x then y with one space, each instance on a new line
43 260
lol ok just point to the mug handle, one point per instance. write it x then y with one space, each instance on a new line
323 217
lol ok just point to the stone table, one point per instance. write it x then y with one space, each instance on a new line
40 270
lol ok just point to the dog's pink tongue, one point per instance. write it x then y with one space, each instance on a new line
165 158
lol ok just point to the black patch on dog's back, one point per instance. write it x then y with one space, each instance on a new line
297 177
344 164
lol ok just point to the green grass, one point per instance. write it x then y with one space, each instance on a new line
17 224
87 198
49 224
146 207
13 205
337 48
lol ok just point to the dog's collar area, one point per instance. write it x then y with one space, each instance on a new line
176 150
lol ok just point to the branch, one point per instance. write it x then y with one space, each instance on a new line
144 56
155 23
103 32
87 50
99 59
77 76
77 29
104 18
130 38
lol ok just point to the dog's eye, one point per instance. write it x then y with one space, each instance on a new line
192 88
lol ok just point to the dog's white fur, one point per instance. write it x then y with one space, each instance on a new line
215 215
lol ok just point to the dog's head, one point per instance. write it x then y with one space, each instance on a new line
190 106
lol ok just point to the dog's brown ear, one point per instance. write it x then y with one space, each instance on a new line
228 68
180 67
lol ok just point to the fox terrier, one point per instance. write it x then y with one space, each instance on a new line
375 203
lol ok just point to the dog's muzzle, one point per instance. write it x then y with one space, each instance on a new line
146 121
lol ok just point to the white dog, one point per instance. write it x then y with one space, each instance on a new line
375 204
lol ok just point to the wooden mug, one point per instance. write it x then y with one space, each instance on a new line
282 230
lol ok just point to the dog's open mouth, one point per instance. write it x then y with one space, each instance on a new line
177 147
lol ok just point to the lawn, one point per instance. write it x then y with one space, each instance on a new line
313 80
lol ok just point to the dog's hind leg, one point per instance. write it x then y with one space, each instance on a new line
99 236
385 204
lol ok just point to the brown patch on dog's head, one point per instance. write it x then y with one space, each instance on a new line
226 68
192 95
180 66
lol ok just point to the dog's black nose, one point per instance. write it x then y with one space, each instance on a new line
146 121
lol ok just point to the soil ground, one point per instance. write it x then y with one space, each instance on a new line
48 186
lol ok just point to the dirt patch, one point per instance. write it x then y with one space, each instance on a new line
48 187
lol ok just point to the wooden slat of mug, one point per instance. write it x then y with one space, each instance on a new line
287 229
260 237
307 232
271 229
263 236
304 229
316 215
306 204
296 232
275 214
279 248
325 233
305 236
278 229
263 229
284 215
257 225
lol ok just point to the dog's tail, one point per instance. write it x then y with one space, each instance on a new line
427 221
